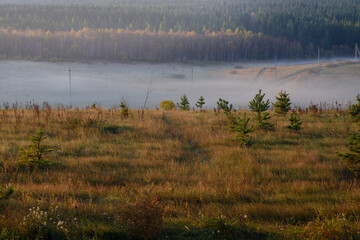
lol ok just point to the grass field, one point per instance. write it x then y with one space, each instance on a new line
176 175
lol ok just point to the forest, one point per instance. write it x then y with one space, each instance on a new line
143 45
293 28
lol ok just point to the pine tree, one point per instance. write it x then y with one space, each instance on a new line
184 103
352 159
295 122
283 104
241 126
258 105
222 104
124 109
265 123
200 103
354 110
33 155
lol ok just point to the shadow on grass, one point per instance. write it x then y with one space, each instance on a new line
108 128
215 228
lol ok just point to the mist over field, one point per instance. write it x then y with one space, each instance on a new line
108 83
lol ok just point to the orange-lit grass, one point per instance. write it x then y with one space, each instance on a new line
187 159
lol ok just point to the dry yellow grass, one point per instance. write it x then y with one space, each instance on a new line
186 159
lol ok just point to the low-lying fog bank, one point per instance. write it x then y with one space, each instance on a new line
108 83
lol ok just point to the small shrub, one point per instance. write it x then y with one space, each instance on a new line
93 106
184 103
167 105
313 109
33 156
295 122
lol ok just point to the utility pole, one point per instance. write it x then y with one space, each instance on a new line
318 53
356 51
70 83
275 64
192 72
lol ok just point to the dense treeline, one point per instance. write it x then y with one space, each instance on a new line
122 45
326 23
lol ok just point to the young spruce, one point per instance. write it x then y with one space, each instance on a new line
258 105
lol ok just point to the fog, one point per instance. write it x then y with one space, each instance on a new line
108 83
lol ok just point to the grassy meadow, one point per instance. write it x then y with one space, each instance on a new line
176 175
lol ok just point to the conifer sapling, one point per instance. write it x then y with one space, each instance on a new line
258 105
352 159
184 103
34 154
241 126
200 103
295 122
222 104
124 109
354 110
282 104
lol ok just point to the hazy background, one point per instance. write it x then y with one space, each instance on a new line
108 83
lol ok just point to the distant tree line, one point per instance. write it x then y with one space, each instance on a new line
143 45
327 23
